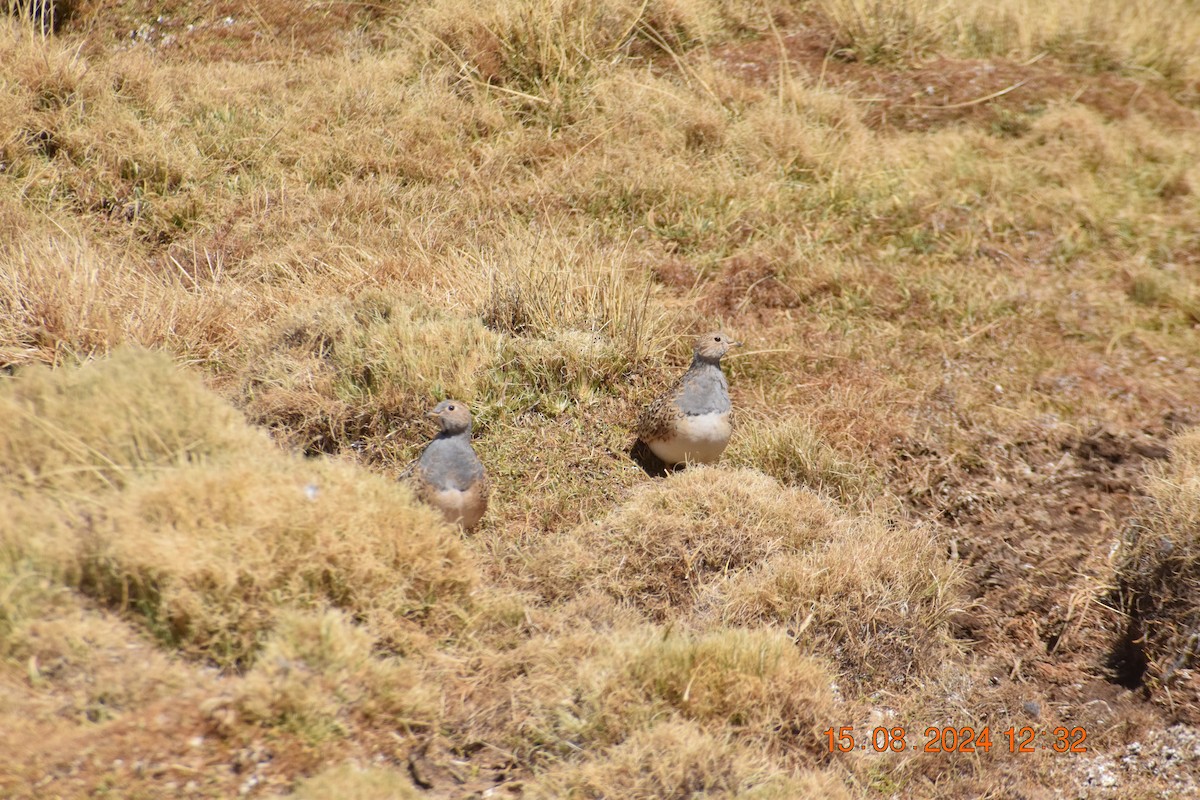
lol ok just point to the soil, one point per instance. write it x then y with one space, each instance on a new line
1047 639
995 93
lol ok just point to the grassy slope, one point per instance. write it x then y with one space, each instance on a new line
960 239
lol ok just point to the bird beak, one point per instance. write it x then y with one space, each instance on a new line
736 344
432 414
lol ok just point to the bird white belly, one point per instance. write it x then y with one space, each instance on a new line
459 507
699 439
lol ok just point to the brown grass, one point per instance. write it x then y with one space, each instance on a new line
751 681
795 454
209 555
662 548
318 675
736 546
878 596
552 698
953 235
1102 36
88 662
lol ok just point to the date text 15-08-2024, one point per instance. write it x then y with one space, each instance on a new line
1025 739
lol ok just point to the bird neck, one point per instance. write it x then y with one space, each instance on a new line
700 361
459 433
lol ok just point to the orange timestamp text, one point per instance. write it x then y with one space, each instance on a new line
958 740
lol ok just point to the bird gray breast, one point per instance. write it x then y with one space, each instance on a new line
704 390
449 462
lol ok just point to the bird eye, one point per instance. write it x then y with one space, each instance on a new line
716 338
451 408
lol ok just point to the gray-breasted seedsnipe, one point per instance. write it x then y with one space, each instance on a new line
691 421
448 475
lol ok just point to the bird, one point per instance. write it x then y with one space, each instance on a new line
691 422
448 475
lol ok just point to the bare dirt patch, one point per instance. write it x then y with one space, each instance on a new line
1035 531
748 284
992 93
225 31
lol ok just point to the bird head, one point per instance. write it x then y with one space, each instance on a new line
712 346
453 415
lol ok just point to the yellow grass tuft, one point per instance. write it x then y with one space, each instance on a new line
876 30
542 50
100 667
539 283
754 682
677 760
209 555
318 674
62 302
557 697
359 374
35 532
671 539
216 530
565 368
1106 35
107 422
796 455
346 371
873 597
714 544
1160 289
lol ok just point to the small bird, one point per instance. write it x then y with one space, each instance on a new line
691 421
448 475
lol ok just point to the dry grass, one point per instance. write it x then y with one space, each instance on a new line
93 665
322 219
1158 574
878 596
217 530
663 547
356 371
109 422
539 50
28 592
1101 36
356 783
792 452
318 675
710 544
752 682
209 556
552 698
682 760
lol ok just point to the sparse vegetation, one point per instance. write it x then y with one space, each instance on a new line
355 783
243 247
317 672
1158 572
795 454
